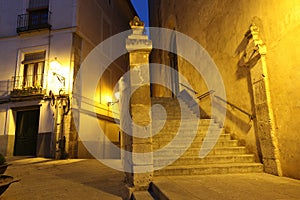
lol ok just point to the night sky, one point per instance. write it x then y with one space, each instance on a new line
141 7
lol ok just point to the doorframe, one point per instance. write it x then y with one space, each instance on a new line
15 110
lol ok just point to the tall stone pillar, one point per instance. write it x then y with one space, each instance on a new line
138 144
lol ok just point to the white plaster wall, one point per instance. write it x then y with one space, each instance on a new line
46 123
11 123
2 121
12 45
8 120
12 52
9 10
63 13
8 56
60 47
56 43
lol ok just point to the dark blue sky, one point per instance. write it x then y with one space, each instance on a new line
141 7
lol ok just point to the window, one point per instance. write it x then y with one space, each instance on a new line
38 13
33 70
37 16
36 4
38 19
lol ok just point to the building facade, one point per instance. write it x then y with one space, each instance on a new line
42 44
255 46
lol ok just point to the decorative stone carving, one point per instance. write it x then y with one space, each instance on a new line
262 50
138 40
263 107
136 22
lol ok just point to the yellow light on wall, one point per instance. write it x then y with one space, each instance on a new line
109 99
59 79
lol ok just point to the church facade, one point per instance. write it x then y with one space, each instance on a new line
255 46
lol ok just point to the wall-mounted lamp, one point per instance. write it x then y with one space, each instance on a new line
60 78
56 67
55 64
117 96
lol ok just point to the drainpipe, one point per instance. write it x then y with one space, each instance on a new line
63 109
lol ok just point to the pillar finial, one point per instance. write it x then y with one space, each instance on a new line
135 22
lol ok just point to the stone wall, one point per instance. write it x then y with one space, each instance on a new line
220 27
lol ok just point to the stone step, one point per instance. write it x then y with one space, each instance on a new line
200 133
203 121
172 106
194 145
174 117
141 195
165 100
181 122
167 129
182 138
171 152
179 128
210 169
180 144
187 126
197 137
157 193
195 160
228 150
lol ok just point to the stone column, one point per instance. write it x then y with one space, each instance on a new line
138 144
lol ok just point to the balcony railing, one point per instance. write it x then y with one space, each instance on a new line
28 85
33 21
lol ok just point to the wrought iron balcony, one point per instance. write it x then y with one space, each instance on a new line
35 20
32 85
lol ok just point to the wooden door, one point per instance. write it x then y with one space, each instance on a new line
26 132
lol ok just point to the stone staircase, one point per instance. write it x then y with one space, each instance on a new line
177 142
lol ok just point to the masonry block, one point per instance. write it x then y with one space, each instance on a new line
141 114
142 158
141 95
142 148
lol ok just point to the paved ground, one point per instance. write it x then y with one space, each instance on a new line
47 179
258 186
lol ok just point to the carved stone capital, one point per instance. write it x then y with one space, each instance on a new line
262 49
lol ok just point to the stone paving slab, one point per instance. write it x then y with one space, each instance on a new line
47 179
252 186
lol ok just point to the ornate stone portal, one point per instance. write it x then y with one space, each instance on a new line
263 108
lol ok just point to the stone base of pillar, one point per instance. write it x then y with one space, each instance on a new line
127 191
